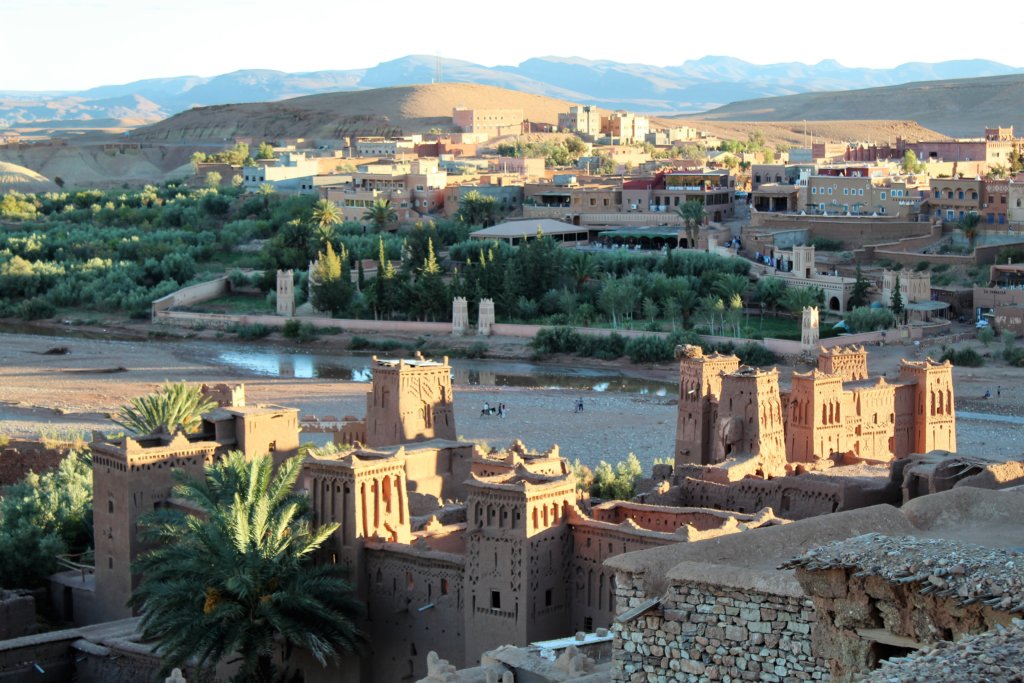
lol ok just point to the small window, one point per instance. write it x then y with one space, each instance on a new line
495 600
547 598
444 586
110 562
110 506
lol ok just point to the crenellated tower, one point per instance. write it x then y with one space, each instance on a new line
411 400
934 410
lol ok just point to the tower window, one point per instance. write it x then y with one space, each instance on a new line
495 600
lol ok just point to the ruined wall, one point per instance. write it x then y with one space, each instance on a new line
790 497
19 457
17 615
703 632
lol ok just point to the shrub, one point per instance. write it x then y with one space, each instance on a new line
968 358
291 329
36 308
922 266
753 353
549 340
987 336
252 331
866 319
617 483
649 349
358 343
826 244
477 350
307 333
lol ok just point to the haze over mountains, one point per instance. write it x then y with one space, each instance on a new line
696 85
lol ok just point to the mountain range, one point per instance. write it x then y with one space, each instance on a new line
696 85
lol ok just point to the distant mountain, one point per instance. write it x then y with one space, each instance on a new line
696 85
957 107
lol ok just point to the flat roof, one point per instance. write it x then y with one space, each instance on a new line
657 231
528 227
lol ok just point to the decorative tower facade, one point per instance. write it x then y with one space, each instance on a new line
700 384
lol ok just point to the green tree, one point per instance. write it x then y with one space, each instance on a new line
43 516
692 212
618 483
477 209
238 578
896 300
859 293
382 290
213 179
171 407
769 291
326 216
584 268
380 214
910 163
430 293
265 151
796 299
332 285
968 225
618 298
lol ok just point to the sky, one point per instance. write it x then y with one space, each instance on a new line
77 44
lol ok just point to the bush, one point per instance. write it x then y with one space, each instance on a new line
307 332
866 319
477 350
36 308
826 244
987 336
753 353
617 483
549 340
650 349
252 331
922 266
291 329
968 358
358 343
609 347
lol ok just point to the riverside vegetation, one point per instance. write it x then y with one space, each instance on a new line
116 251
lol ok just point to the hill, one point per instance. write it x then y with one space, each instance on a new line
959 107
792 133
384 111
15 178
695 85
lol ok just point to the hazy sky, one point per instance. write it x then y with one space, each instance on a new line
73 44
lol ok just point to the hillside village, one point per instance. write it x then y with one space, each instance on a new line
814 520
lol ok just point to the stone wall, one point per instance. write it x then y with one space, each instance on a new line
703 632
17 615
19 457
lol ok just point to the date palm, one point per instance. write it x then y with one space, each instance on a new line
969 226
325 216
692 212
237 578
380 214
171 407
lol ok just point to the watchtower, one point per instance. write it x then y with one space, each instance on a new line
700 384
411 400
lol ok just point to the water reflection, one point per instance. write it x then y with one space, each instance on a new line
464 372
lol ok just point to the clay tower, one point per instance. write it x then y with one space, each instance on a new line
700 383
411 401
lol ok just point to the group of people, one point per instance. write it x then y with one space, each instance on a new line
579 405
501 410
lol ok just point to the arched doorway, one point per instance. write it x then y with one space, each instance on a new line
833 304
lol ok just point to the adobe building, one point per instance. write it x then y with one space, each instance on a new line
132 477
411 400
737 420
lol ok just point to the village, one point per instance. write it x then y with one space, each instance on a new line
536 390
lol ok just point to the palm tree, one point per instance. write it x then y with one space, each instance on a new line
729 285
379 214
584 268
171 407
325 216
237 577
969 225
693 214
